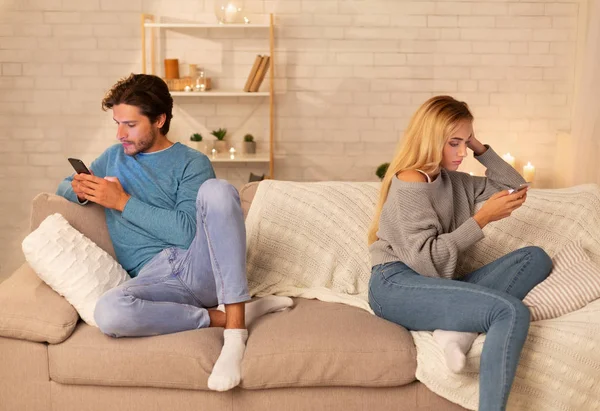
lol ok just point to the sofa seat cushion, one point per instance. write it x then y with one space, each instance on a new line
327 344
30 310
181 360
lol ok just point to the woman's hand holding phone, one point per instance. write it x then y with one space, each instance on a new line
499 206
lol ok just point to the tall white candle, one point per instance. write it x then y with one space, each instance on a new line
509 159
528 172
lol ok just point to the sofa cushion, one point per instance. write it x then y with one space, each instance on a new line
180 360
327 344
573 283
72 265
30 310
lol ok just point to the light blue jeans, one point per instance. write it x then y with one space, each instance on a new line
173 290
487 300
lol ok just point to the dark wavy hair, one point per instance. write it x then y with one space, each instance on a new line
147 92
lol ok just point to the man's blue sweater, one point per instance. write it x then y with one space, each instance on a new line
161 212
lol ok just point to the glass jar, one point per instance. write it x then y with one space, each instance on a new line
200 81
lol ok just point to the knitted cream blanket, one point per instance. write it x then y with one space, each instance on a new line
560 362
309 240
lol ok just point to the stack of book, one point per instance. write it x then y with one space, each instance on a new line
257 74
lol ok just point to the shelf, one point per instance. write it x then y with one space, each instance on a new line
149 22
205 25
219 94
240 158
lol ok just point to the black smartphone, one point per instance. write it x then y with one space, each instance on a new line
521 187
79 166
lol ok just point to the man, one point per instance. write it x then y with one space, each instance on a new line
177 230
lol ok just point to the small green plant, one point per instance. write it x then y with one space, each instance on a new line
248 138
381 170
196 137
220 133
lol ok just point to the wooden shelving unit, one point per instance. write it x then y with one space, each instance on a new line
148 25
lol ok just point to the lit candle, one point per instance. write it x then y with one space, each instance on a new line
509 159
213 152
232 153
528 172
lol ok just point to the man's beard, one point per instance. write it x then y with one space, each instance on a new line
143 144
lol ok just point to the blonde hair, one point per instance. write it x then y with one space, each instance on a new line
422 145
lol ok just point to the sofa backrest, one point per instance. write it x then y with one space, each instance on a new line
90 219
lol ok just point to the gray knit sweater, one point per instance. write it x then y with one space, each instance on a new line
428 225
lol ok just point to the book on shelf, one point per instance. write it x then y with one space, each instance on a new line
260 74
253 71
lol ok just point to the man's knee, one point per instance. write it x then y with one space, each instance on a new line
109 315
217 192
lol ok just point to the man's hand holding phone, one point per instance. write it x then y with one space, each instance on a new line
108 191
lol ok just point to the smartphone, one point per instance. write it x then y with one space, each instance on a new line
79 166
521 187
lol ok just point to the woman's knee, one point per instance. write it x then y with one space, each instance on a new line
541 260
513 309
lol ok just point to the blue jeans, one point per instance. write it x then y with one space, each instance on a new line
487 300
173 290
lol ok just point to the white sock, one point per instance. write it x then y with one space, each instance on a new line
227 371
456 345
262 306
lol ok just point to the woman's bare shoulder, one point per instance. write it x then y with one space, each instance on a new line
411 176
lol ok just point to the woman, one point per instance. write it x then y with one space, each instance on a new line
424 220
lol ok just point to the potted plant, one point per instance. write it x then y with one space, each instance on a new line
220 144
381 170
249 146
196 143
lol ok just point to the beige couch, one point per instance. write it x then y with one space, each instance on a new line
317 356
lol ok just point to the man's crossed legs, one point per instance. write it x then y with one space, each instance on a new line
174 290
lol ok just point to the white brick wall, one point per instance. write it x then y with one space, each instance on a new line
349 76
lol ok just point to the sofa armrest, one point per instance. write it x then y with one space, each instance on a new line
30 310
247 194
89 219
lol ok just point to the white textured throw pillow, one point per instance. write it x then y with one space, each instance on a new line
573 283
72 265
